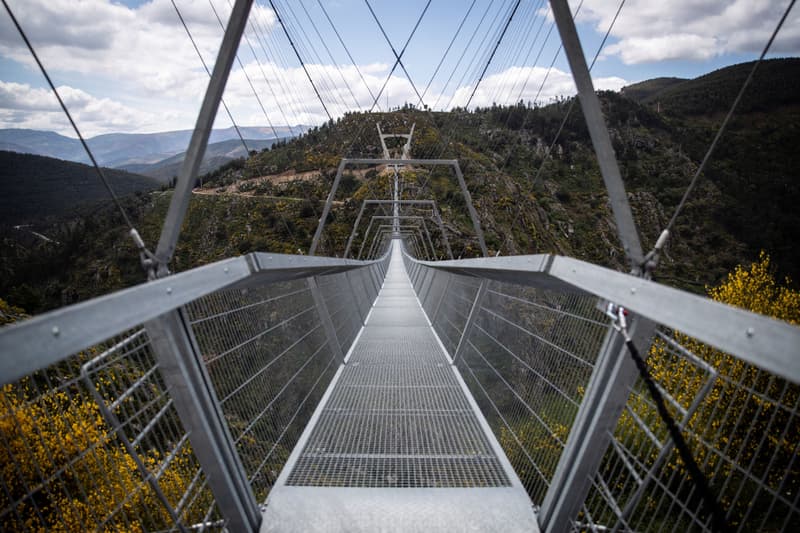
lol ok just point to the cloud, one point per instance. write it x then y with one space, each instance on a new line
529 84
134 69
22 106
679 46
649 31
141 59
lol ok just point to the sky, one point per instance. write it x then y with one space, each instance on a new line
129 66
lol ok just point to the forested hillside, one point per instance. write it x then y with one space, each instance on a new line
33 187
528 201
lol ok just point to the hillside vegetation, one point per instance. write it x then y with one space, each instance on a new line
33 187
528 202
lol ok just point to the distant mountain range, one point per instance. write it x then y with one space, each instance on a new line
154 154
217 154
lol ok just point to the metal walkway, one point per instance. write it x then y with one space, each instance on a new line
398 418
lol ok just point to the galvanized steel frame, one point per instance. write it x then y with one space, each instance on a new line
420 218
389 229
473 214
766 343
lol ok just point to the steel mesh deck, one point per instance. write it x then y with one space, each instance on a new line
397 416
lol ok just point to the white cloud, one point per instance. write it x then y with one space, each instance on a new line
143 59
137 70
22 106
139 58
677 46
649 31
529 84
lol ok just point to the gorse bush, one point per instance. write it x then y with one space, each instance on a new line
64 471
740 427
64 468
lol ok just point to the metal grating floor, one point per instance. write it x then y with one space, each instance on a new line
397 416
398 445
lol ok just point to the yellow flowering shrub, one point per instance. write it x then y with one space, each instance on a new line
743 423
62 468
64 472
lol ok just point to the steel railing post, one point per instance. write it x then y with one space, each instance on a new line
606 393
473 314
181 365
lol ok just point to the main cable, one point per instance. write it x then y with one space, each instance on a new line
491 56
286 32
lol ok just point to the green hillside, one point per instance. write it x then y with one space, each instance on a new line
649 89
744 203
33 187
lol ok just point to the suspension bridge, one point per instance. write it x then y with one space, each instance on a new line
398 391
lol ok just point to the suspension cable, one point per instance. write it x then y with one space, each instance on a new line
463 53
619 322
302 63
572 103
341 41
330 55
491 56
383 87
306 46
246 75
447 51
205 67
265 40
399 60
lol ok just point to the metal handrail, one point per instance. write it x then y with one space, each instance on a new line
770 344
38 342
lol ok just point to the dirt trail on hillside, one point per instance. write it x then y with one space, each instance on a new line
274 179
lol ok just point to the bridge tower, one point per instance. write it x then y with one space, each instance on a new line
404 154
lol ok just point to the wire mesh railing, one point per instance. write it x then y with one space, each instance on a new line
264 349
526 358
94 443
105 439
530 338
742 426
